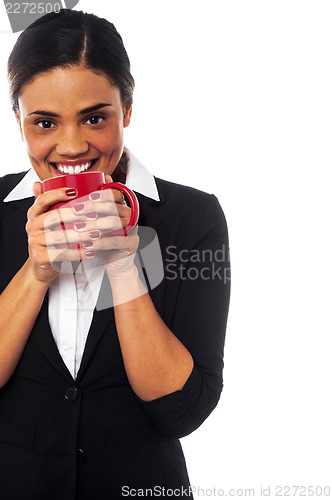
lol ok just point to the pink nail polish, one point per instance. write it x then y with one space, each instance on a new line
87 244
92 216
94 196
90 253
79 225
95 235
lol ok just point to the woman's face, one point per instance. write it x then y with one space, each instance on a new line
72 120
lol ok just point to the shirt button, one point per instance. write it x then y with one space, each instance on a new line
71 393
81 456
66 347
69 300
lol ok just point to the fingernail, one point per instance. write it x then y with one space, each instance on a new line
87 244
94 196
71 192
95 235
91 253
92 216
79 225
79 207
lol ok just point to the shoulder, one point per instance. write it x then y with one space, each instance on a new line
189 200
8 182
167 189
191 211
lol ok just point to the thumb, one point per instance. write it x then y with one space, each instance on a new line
108 179
37 189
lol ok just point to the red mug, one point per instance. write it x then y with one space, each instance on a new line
85 183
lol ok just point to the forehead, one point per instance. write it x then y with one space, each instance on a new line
67 89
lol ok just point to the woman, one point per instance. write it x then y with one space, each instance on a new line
93 399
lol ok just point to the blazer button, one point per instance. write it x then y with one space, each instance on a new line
81 456
71 393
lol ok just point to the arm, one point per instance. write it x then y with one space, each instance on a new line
156 362
22 299
176 371
20 304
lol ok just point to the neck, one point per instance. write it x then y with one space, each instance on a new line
119 174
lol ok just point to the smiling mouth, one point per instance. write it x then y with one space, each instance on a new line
74 169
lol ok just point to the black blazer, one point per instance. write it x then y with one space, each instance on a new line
66 439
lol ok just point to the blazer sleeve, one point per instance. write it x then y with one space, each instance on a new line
199 321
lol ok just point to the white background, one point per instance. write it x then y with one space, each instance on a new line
234 97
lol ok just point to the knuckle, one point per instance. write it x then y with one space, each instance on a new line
127 211
117 242
39 201
52 218
58 236
32 240
118 196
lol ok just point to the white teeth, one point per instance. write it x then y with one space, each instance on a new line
77 169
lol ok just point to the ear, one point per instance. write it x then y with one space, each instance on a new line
18 119
127 110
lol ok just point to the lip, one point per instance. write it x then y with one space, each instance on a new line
73 163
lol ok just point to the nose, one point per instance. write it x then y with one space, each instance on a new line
71 142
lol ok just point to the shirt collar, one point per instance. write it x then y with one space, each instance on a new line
138 178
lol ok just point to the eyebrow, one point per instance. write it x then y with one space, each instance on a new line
82 112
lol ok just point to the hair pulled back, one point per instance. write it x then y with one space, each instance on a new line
65 39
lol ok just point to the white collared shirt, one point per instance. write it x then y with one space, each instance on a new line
73 297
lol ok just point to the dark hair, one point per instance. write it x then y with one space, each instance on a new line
69 38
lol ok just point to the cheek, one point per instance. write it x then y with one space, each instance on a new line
36 146
109 141
38 150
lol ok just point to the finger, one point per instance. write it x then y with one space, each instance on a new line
86 221
61 255
37 189
128 243
46 200
70 237
114 195
107 223
83 231
108 208
64 215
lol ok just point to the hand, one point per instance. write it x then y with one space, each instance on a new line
39 254
120 261
75 231
107 211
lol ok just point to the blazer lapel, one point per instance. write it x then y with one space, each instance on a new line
102 317
42 334
150 211
14 234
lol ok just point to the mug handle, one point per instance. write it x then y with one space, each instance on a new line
133 205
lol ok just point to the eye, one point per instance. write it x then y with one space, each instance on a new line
44 123
95 120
